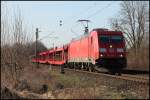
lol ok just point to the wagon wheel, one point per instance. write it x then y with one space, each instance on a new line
118 74
86 69
91 69
112 72
82 67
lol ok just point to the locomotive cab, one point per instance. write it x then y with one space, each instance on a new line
112 51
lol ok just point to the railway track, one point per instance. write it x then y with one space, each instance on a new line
123 77
136 77
127 77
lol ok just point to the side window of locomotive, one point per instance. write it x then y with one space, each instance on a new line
104 38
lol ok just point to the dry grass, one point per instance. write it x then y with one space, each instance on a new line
77 86
101 92
140 61
73 86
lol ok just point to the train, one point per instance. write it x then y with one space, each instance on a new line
100 48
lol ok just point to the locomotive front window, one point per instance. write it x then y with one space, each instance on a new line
116 39
110 38
104 38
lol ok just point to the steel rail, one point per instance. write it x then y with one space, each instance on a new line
123 77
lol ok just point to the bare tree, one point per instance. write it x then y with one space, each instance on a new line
133 22
14 38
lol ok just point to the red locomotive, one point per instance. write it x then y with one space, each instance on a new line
100 48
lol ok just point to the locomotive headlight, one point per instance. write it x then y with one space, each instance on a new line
102 49
121 55
119 49
101 55
110 46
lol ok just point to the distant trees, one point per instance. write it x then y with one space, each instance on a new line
40 47
133 21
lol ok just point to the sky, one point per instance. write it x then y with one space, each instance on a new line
46 16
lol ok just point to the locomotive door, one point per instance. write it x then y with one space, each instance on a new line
90 47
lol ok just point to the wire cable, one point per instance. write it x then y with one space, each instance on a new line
108 5
100 10
45 36
82 12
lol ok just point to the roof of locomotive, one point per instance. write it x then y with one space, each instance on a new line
106 31
99 31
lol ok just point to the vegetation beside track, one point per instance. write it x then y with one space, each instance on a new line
76 85
80 86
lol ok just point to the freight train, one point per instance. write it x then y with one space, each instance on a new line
100 48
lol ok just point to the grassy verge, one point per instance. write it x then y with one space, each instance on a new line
83 87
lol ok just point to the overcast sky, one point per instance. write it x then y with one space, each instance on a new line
46 16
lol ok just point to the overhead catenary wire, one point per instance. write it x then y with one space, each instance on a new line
46 36
108 5
49 37
75 33
83 12
100 10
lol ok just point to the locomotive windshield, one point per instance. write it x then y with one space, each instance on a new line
104 38
116 39
110 38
